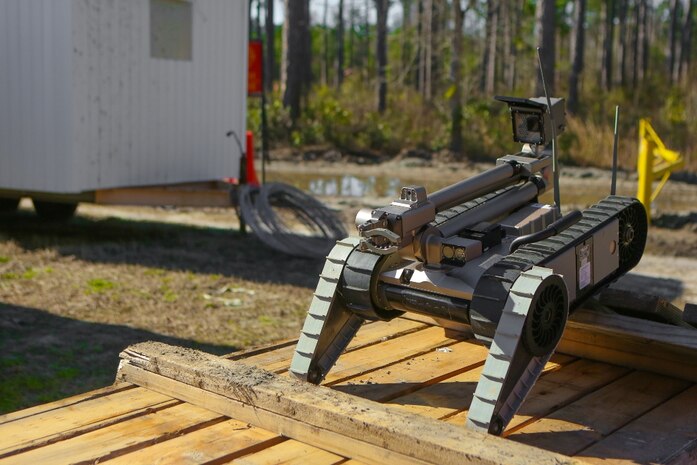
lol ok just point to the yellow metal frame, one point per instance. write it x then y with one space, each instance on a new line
655 162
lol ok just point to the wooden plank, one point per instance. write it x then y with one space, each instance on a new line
415 373
575 427
386 353
119 438
52 425
557 389
221 442
689 314
288 427
272 402
61 403
399 379
87 415
260 350
454 394
291 453
665 435
203 194
680 337
626 341
641 305
279 360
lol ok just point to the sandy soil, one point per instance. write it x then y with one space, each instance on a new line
73 295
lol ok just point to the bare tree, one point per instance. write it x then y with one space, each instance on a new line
405 53
340 44
270 32
456 80
641 50
622 15
426 49
295 72
686 46
545 25
608 36
488 69
382 7
325 45
673 40
577 51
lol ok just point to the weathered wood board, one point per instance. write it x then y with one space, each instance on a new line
599 410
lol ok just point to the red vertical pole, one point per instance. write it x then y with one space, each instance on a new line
251 172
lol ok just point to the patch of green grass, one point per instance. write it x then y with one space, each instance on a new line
12 361
170 296
9 275
30 273
48 270
154 272
266 320
4 259
99 285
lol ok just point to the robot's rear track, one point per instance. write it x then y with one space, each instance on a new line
493 288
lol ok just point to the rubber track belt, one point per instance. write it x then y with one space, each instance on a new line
492 289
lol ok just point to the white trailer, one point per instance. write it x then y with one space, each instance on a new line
121 101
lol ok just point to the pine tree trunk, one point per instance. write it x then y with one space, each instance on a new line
427 48
381 53
686 47
339 67
365 56
577 50
492 19
270 58
325 45
545 25
622 14
673 40
644 37
352 33
456 81
418 66
608 35
489 29
295 75
405 41
508 52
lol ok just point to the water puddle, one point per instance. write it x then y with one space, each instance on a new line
576 192
351 185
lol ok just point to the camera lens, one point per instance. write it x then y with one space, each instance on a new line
533 123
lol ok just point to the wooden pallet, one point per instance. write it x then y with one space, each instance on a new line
621 391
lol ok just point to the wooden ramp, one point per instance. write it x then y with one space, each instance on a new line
624 394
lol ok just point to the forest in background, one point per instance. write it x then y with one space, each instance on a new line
342 77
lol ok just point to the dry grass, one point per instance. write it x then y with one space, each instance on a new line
73 295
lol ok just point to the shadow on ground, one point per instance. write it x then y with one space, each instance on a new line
675 220
667 288
46 357
161 245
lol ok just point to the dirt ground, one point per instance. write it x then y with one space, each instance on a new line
72 295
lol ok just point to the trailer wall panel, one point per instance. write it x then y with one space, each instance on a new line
93 104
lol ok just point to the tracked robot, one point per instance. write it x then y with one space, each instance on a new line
483 252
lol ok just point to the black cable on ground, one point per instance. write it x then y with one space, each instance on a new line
262 208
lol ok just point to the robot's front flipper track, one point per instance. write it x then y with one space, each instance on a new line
329 326
525 338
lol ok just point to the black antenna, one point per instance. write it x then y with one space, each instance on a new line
555 168
613 186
